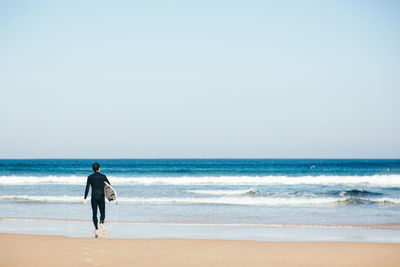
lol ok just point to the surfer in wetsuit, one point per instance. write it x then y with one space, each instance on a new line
96 181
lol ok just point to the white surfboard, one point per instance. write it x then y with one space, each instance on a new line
109 192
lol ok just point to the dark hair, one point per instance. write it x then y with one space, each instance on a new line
96 166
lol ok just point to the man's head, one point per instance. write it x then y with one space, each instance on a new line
96 167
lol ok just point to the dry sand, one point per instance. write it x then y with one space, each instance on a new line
35 250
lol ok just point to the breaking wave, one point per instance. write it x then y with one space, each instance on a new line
357 193
375 180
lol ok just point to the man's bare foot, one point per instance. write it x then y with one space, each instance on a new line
96 233
103 228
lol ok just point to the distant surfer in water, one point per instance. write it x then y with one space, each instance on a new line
96 181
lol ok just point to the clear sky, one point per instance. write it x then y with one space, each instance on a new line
199 79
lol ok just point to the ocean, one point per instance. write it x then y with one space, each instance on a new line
319 192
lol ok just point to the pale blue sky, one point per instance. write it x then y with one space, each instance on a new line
248 79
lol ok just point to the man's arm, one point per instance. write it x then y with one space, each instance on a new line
87 188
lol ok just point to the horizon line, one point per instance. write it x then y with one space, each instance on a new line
200 158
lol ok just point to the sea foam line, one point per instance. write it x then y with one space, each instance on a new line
223 192
375 180
251 201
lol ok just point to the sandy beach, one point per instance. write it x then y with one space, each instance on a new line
34 250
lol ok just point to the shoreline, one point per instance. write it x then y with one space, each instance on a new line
22 250
394 226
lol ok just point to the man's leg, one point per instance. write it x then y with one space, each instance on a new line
94 210
102 207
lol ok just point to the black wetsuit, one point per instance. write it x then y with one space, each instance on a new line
96 181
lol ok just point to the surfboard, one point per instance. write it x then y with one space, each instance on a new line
109 192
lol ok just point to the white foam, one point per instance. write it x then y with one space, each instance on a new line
375 180
26 198
37 180
251 201
222 192
235 201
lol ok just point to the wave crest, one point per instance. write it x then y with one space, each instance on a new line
376 180
357 193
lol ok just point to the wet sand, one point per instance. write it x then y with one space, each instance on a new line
34 250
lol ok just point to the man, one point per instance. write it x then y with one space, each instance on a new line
96 181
